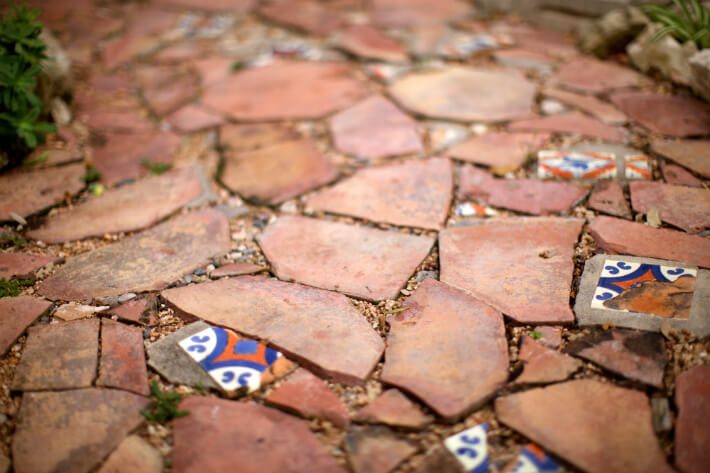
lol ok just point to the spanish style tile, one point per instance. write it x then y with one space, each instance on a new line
637 167
470 448
533 459
575 165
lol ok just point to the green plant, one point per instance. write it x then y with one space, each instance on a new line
536 335
164 405
156 167
13 287
92 175
688 21
8 239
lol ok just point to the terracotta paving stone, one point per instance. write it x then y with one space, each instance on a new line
254 437
544 365
122 363
142 262
375 128
393 194
503 152
679 176
213 69
369 42
4 463
26 193
191 118
140 310
244 137
72 431
692 396
408 13
306 15
16 314
575 123
670 115
167 97
74 311
466 94
622 237
288 90
308 396
531 196
358 261
608 197
307 324
232 6
693 154
117 120
549 336
74 347
127 208
602 110
593 76
14 265
452 379
395 409
524 59
579 419
681 206
278 172
640 356
521 266
438 460
133 455
376 449
236 269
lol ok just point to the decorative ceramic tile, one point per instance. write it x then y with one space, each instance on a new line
575 165
470 448
533 459
637 167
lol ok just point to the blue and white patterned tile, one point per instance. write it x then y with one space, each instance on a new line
470 447
583 165
532 459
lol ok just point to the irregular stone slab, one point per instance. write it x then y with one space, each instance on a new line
358 261
549 336
72 431
122 358
369 42
521 266
618 236
243 137
191 118
409 13
141 310
525 59
670 115
133 455
594 77
681 206
466 94
503 152
308 396
376 449
578 419
451 378
692 395
231 6
589 104
393 194
640 356
246 434
127 208
146 261
278 172
307 324
74 311
16 314
236 269
644 293
608 197
522 195
543 365
574 123
288 90
26 193
395 409
22 264
74 347
438 460
305 15
693 154
374 129
679 176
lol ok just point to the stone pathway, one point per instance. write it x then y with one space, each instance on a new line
363 237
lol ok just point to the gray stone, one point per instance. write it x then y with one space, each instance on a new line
612 32
666 55
700 73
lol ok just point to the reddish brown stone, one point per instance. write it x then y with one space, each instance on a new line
230 6
395 409
236 269
376 449
142 311
670 115
245 137
72 431
608 197
679 176
278 172
574 123
543 365
191 118
579 419
75 311
14 265
407 13
122 358
167 97
553 43
213 69
692 396
133 455
118 120
16 314
587 103
246 435
593 76
503 152
371 43
693 154
145 261
683 207
374 129
308 324
356 260
59 356
549 336
438 460
521 266
306 15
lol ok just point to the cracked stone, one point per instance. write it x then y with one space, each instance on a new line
16 314
305 15
394 409
141 310
684 207
543 365
122 363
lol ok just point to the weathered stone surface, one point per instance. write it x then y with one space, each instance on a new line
522 195
586 103
579 419
693 154
521 266
683 207
369 42
466 94
376 449
4 463
549 336
622 237
244 137
16 314
251 436
74 348
133 455
298 90
608 197
395 409
232 6
72 431
236 269
142 262
409 13
122 363
593 76
26 193
679 176
692 396
22 264
358 261
141 310
127 208
307 324
191 118
374 129
438 460
306 15
451 378
543 365
74 311
278 172
670 115
524 59
503 152
640 356
574 123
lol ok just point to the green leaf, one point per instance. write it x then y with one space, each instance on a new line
156 167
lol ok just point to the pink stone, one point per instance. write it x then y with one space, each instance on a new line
142 311
407 13
693 154
191 118
684 207
22 264
543 365
213 69
236 269
692 395
573 123
593 76
679 176
608 197
524 59
376 449
245 137
167 97
670 115
122 358
369 42
16 314
550 336
589 104
503 152
395 409
307 15
231 6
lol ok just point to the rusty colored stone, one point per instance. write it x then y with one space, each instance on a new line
503 152
22 265
684 207
592 76
549 336
670 115
663 299
574 123
232 6
245 137
306 15
409 13
608 197
395 409
122 358
191 118
693 154
369 42
692 395
236 269
376 449
16 314
543 365
133 455
679 176
75 311
140 310
438 460
602 110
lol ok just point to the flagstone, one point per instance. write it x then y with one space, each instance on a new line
140 310
145 261
133 455
549 336
231 6
593 76
679 176
608 197
307 15
602 110
112 120
521 266
376 449
245 137
578 419
375 128
681 206
466 94
575 123
438 460
369 42
72 431
246 435
669 115
394 409
74 311
544 365
503 152
412 13
16 314
692 396
193 117
236 269
525 59
164 98
21 265
693 154
358 261
122 363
